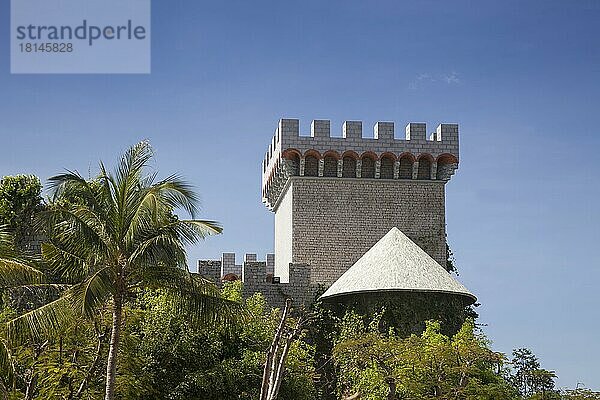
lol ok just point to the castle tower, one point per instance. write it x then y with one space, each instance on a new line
335 197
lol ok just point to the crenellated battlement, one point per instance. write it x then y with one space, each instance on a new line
383 156
258 276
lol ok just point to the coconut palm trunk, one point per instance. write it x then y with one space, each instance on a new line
113 348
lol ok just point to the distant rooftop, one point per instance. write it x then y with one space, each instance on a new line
396 263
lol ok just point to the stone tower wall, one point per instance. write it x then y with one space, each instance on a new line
335 221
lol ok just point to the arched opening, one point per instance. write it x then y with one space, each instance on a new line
230 278
367 169
292 162
446 165
386 168
311 166
424 171
349 167
406 166
330 164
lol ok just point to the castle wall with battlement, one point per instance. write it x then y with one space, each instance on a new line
257 276
382 157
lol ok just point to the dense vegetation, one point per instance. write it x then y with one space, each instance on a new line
432 365
113 260
164 356
20 201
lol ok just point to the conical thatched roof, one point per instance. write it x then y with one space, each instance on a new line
396 263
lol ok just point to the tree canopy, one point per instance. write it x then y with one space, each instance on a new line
110 237
20 201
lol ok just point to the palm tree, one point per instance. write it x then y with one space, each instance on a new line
113 236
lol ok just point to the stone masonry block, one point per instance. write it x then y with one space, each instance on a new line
416 131
289 126
352 130
447 132
383 130
320 128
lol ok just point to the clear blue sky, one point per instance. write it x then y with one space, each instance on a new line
521 78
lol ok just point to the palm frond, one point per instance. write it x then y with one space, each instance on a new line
196 229
6 239
93 292
70 187
154 204
199 300
66 263
134 160
76 219
171 240
7 243
81 300
109 186
7 367
165 276
14 273
43 322
58 183
177 193
129 171
163 248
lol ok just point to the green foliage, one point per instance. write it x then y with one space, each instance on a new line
20 200
232 291
431 365
434 365
164 355
111 236
529 378
321 334
407 312
167 357
580 394
55 370
450 260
